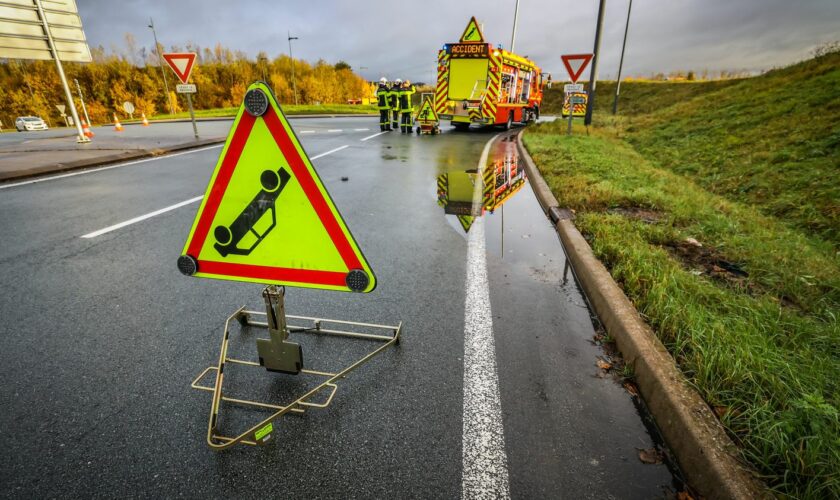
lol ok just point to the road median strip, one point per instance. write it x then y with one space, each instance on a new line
701 446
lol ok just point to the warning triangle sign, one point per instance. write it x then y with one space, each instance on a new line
427 112
181 63
473 32
575 64
266 216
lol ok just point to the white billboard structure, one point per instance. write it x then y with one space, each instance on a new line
45 29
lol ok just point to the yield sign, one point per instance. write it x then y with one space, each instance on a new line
266 217
181 63
575 64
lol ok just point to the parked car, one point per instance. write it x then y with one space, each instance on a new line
26 123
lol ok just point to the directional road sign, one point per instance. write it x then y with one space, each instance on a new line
181 63
266 216
572 87
575 64
23 34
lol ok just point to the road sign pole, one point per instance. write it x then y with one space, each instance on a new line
67 94
160 63
571 113
593 75
82 100
621 61
192 115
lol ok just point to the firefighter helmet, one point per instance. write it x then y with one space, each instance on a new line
383 80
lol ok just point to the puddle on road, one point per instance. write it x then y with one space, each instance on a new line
516 228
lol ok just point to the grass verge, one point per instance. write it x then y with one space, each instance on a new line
746 304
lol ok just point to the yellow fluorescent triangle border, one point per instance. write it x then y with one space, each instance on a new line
266 216
472 33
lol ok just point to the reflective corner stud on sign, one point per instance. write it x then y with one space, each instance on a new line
266 217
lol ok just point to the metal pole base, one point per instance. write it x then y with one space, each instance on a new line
260 434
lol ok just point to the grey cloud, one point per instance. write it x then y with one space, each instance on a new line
400 39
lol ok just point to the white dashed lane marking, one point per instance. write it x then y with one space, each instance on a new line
485 471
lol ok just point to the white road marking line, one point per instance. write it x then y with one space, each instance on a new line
329 152
141 218
372 136
335 130
485 471
306 132
101 169
360 129
177 205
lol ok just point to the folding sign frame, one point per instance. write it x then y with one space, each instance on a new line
290 219
275 315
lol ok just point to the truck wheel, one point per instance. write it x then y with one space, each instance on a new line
461 126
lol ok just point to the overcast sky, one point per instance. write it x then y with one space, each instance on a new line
395 38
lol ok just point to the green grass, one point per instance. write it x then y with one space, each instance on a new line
764 349
288 109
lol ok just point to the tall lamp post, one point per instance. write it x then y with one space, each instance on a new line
621 61
593 75
160 63
515 19
294 84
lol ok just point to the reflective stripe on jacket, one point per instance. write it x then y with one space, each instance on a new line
405 99
382 97
393 98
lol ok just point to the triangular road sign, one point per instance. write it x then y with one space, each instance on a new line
427 111
472 33
181 63
266 216
575 64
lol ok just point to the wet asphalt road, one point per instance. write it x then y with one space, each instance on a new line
103 336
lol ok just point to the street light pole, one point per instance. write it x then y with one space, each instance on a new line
593 72
621 61
515 19
160 63
263 63
294 84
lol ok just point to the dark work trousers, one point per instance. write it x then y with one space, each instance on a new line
384 121
395 119
405 127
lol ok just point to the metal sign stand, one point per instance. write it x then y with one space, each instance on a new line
278 354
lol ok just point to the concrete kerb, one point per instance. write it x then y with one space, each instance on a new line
105 159
698 441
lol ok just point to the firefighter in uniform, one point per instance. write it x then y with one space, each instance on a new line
382 102
406 91
394 103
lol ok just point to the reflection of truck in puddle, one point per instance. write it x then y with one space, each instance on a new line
251 220
499 181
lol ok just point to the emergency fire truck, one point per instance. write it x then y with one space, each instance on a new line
485 85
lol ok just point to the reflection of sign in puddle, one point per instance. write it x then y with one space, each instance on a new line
499 180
